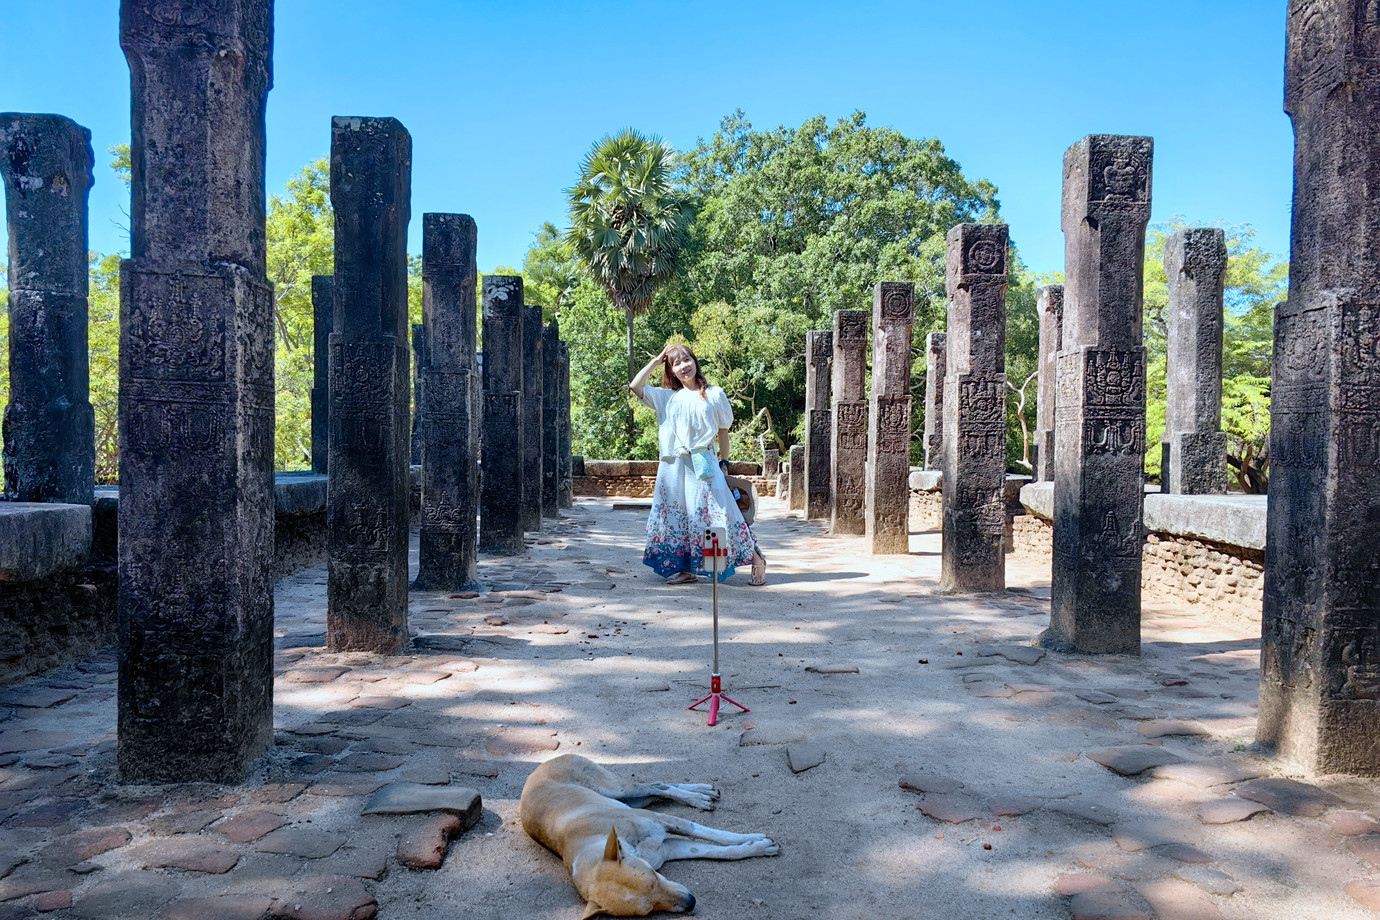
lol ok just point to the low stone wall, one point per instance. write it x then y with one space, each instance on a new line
55 605
1199 549
926 510
637 478
1032 537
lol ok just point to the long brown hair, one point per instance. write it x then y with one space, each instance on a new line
671 382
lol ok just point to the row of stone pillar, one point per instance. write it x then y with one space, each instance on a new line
852 469
196 411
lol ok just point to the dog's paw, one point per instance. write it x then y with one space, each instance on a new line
699 800
770 847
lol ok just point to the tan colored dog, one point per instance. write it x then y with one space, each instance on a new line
593 820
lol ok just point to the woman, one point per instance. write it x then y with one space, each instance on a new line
691 417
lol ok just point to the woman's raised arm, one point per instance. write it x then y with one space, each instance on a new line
640 380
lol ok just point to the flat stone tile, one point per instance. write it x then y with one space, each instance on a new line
804 756
413 798
929 782
326 897
82 845
1133 759
302 842
952 808
222 907
126 895
1229 811
1173 899
248 826
188 853
1288 796
519 742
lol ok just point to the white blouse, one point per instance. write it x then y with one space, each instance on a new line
685 421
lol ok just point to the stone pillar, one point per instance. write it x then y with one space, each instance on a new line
974 482
49 428
1099 429
502 471
450 437
795 469
1194 448
849 429
1049 302
196 398
1320 653
550 420
531 417
819 350
418 406
771 461
323 315
888 425
567 482
368 486
936 369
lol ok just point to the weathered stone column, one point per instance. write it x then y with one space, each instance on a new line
936 369
567 494
849 429
1099 430
501 467
368 488
531 417
450 475
1320 653
323 315
1194 447
418 407
550 420
974 484
796 477
196 397
888 424
49 428
1049 302
771 461
819 351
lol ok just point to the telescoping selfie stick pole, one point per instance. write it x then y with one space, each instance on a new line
714 550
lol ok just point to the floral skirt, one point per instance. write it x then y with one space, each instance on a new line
683 506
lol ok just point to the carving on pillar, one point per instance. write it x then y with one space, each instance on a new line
888 490
196 397
1321 618
49 426
1050 305
446 398
1099 411
1193 446
936 369
502 476
974 420
371 371
848 423
819 347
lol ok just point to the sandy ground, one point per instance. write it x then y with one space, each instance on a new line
578 648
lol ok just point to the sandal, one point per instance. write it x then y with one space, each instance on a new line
682 578
759 574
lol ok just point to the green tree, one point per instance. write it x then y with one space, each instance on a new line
628 224
796 223
1255 282
301 243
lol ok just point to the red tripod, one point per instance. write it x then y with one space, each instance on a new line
714 550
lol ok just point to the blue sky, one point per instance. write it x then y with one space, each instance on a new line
503 98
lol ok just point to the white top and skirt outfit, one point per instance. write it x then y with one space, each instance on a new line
683 505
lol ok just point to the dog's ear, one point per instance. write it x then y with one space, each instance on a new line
611 851
591 910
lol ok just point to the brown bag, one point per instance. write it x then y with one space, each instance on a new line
747 496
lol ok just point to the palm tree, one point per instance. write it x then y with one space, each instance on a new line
629 223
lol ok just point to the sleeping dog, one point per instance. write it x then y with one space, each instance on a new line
594 821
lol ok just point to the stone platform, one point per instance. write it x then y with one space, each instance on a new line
957 770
